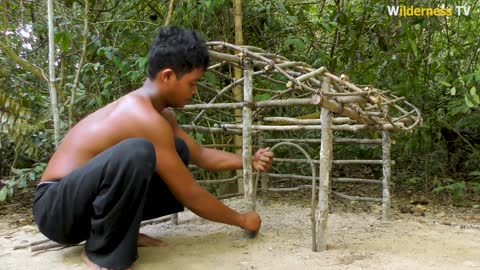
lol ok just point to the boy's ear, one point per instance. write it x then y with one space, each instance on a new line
165 75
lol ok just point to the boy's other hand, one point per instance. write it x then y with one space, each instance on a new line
262 161
251 221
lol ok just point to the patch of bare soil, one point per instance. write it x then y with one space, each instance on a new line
357 240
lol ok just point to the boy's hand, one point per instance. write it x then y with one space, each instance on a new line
262 161
251 222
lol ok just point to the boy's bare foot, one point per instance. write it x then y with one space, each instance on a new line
148 241
92 265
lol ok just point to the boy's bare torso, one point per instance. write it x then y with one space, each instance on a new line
99 131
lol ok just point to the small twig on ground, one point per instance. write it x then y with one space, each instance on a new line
50 245
34 243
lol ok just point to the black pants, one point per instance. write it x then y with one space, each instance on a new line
105 201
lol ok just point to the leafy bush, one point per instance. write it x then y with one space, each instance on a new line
21 179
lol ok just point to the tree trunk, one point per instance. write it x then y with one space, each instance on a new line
51 69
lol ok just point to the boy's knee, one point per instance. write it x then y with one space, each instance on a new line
138 151
182 150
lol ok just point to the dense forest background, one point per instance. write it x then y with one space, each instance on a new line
101 48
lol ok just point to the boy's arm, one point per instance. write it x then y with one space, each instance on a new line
181 183
217 160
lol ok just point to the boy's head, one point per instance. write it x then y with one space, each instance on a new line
178 49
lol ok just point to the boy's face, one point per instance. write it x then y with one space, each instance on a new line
179 92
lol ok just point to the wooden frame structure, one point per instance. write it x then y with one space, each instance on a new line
343 106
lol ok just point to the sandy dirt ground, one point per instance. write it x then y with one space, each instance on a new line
356 241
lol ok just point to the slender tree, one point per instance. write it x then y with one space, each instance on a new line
51 69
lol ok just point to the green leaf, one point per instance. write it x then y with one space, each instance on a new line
469 102
473 91
475 173
63 39
16 171
453 91
208 3
3 194
476 98
446 84
296 42
411 41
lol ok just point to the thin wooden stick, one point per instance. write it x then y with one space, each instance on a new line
355 198
220 181
335 140
353 128
248 185
50 245
34 243
336 162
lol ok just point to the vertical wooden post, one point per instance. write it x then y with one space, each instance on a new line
248 185
237 90
387 172
325 169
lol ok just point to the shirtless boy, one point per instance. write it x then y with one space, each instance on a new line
127 162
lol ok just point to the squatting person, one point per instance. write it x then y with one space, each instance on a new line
127 162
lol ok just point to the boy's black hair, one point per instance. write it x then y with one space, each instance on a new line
177 48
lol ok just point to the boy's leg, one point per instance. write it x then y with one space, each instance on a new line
101 202
160 201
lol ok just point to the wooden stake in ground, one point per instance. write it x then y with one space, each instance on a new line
249 189
325 168
387 172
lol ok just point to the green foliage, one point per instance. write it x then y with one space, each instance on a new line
15 125
448 185
21 179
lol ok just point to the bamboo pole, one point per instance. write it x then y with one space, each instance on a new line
248 185
325 169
